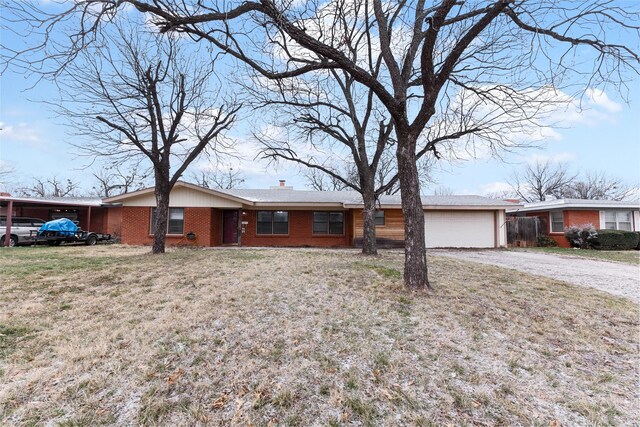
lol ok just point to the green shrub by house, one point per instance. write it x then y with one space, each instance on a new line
546 242
615 240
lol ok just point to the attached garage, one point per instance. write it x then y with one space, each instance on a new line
460 229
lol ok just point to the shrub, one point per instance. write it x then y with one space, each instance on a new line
580 236
547 242
616 240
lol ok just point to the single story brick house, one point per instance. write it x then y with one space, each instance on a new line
281 216
561 213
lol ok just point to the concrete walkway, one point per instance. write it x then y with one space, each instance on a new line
613 277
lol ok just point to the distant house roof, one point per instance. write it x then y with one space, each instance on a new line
576 204
59 201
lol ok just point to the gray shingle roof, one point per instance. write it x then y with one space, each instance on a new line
286 196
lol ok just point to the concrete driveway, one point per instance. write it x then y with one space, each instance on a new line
615 278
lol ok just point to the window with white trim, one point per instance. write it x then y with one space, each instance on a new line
557 221
175 221
617 220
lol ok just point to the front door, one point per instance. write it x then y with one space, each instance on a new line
229 227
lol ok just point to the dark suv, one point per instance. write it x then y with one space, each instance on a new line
21 228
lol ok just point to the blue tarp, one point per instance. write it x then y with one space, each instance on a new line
63 225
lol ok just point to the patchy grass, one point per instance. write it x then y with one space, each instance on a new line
114 336
627 257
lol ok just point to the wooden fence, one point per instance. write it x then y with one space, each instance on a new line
525 230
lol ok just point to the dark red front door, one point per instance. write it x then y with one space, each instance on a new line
230 227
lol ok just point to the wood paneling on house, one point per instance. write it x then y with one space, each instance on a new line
389 234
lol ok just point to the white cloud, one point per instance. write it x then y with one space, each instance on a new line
22 132
495 187
600 99
553 158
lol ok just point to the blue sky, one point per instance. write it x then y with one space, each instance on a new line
603 137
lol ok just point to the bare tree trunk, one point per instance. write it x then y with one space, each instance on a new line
162 213
369 246
415 261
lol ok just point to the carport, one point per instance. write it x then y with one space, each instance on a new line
90 212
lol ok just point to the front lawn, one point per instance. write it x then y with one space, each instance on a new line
110 335
628 257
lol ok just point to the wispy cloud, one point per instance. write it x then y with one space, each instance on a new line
598 98
553 158
22 132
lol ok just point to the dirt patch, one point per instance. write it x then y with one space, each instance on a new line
614 278
300 337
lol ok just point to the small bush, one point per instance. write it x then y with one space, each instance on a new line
581 236
616 240
547 242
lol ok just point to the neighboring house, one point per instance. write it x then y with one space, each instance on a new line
281 216
603 214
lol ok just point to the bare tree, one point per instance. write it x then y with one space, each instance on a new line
51 187
598 186
222 179
443 191
321 181
540 180
119 179
7 173
144 98
510 54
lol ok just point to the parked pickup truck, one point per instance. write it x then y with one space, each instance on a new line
64 230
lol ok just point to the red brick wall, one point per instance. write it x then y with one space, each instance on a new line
300 232
571 217
98 219
582 217
136 223
114 221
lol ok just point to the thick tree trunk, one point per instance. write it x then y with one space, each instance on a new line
369 246
415 261
162 213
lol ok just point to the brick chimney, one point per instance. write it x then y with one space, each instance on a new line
281 185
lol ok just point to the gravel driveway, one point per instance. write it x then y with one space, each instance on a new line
615 278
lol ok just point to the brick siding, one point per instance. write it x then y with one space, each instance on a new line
136 227
571 217
300 232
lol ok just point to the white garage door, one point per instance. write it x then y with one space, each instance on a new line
459 229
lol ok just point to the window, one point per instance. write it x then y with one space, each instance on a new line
273 222
175 221
379 218
557 221
617 220
328 222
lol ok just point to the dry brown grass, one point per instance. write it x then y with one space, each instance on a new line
114 336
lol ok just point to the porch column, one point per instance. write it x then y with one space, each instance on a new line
7 234
88 219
